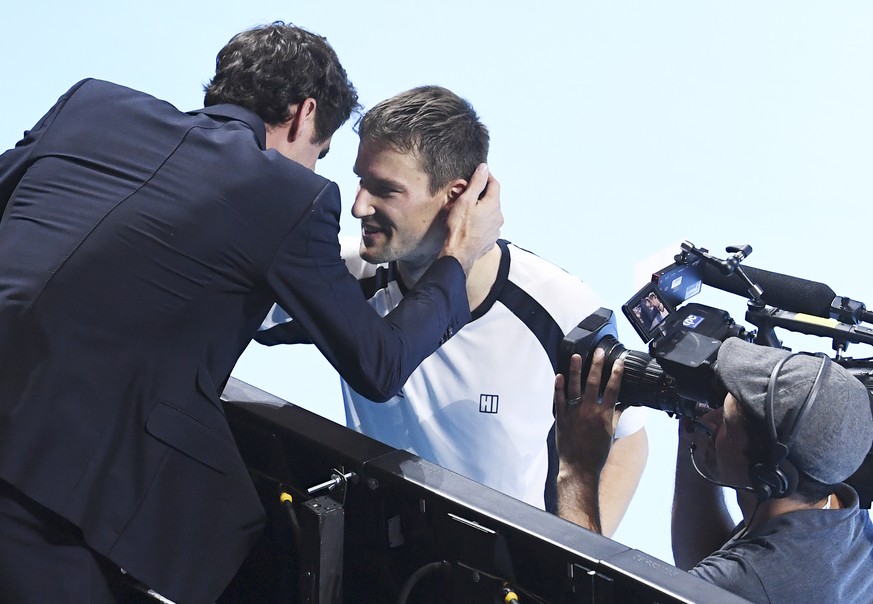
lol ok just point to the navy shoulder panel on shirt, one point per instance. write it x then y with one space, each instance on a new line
524 306
535 317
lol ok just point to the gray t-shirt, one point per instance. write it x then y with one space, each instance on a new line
802 556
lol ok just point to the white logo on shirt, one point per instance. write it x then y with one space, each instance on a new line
488 403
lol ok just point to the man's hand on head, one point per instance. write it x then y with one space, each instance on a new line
474 220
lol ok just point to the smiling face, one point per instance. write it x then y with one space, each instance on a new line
401 219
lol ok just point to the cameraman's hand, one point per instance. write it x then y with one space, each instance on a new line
473 224
584 432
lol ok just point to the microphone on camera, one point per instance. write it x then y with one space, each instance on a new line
781 291
789 293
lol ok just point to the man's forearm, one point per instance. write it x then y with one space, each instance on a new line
578 499
700 523
620 478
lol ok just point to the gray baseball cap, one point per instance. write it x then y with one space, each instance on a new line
837 431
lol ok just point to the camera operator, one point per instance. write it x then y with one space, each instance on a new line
802 534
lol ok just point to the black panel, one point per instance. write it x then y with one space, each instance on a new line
415 531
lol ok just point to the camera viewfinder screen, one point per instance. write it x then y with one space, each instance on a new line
646 311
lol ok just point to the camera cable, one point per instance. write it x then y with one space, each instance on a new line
441 567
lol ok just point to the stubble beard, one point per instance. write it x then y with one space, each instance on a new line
380 255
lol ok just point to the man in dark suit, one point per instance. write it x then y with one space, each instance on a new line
140 249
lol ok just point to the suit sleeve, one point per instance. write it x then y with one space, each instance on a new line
280 328
15 161
374 355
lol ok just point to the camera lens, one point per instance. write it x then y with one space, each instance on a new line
644 382
642 374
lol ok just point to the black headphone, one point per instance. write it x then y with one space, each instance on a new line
777 477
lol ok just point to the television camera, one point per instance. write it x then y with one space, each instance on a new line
677 374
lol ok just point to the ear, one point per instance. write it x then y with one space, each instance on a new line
302 122
455 189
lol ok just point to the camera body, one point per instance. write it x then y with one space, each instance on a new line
677 375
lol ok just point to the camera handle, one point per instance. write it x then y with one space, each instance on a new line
766 318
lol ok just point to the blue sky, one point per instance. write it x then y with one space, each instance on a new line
618 129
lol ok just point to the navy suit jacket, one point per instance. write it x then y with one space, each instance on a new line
140 249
